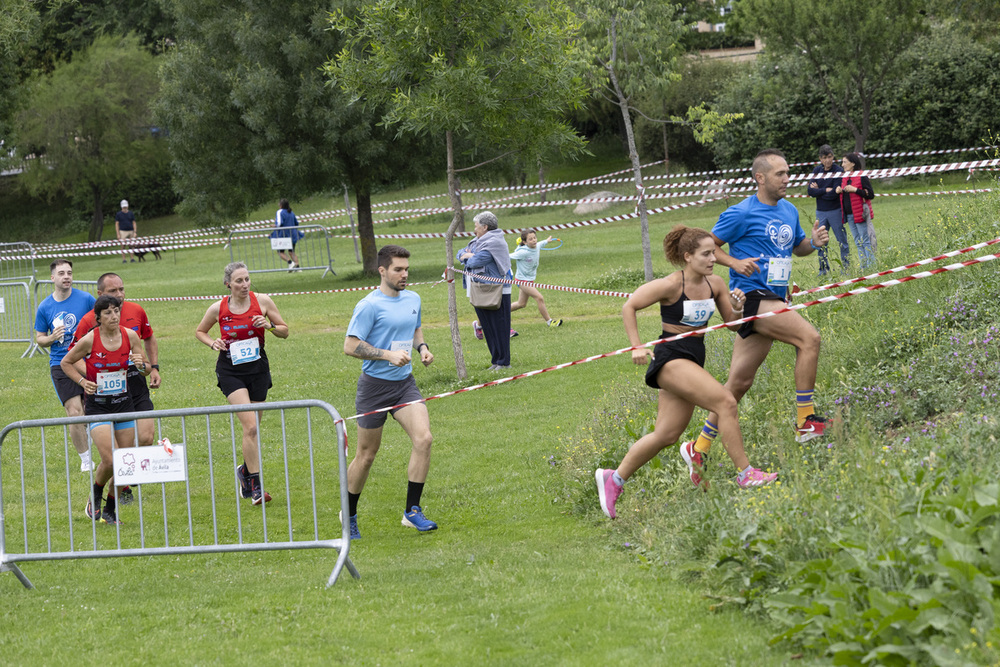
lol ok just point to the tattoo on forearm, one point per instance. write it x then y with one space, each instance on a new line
366 351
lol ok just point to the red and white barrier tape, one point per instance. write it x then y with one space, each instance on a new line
898 269
432 283
862 290
558 288
945 151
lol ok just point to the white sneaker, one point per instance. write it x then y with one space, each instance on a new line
86 465
291 266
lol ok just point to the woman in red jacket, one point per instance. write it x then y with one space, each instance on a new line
856 196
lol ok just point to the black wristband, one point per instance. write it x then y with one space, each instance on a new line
156 367
422 345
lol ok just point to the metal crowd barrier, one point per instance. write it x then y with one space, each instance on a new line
187 501
44 288
17 262
17 315
259 251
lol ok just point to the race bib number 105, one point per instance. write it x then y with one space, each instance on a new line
110 383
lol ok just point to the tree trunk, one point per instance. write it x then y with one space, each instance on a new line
633 154
350 218
666 143
366 232
541 181
457 224
97 220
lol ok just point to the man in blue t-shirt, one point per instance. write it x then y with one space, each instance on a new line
55 322
384 330
828 207
763 233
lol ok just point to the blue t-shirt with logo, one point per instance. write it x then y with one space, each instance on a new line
387 323
755 230
71 310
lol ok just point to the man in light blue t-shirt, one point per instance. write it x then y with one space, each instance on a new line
763 233
55 323
384 330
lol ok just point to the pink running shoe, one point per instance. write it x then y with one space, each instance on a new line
695 461
756 478
476 329
607 491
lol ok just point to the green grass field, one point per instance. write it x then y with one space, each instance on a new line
524 569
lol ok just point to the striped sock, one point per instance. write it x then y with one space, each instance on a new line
804 405
705 438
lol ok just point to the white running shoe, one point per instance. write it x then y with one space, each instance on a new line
86 465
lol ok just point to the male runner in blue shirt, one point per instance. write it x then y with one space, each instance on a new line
763 233
384 330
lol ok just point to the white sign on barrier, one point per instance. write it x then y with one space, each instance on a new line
281 243
149 465
2 308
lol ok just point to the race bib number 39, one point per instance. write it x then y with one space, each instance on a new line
697 312
110 383
244 351
779 271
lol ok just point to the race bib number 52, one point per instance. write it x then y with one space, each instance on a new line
244 351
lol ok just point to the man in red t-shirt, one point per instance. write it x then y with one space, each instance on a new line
132 317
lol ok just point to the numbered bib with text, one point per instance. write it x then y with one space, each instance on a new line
402 345
111 383
244 351
779 271
697 312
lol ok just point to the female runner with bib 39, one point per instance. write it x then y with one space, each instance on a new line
242 369
687 299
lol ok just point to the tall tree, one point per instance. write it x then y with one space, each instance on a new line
498 74
852 47
252 118
89 123
632 46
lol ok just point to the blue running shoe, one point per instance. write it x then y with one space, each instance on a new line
415 519
355 533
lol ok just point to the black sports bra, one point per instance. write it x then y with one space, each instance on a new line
674 313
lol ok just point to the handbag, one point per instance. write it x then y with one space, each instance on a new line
486 296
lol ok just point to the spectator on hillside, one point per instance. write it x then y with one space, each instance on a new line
488 255
828 207
125 228
286 222
856 196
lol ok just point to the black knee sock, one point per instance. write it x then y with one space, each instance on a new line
413 492
95 499
352 503
109 504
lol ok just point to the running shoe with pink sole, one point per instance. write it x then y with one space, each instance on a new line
607 491
695 461
756 478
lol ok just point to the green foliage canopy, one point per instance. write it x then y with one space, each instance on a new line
90 124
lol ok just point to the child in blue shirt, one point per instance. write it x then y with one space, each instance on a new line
527 255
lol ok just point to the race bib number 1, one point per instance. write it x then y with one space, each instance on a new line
110 383
779 271
244 351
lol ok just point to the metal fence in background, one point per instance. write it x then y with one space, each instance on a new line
260 251
189 501
17 262
17 314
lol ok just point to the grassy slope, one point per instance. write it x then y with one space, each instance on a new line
511 576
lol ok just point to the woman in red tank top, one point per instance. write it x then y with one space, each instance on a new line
107 351
242 369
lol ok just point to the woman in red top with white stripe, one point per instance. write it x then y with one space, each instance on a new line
242 369
856 194
107 351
